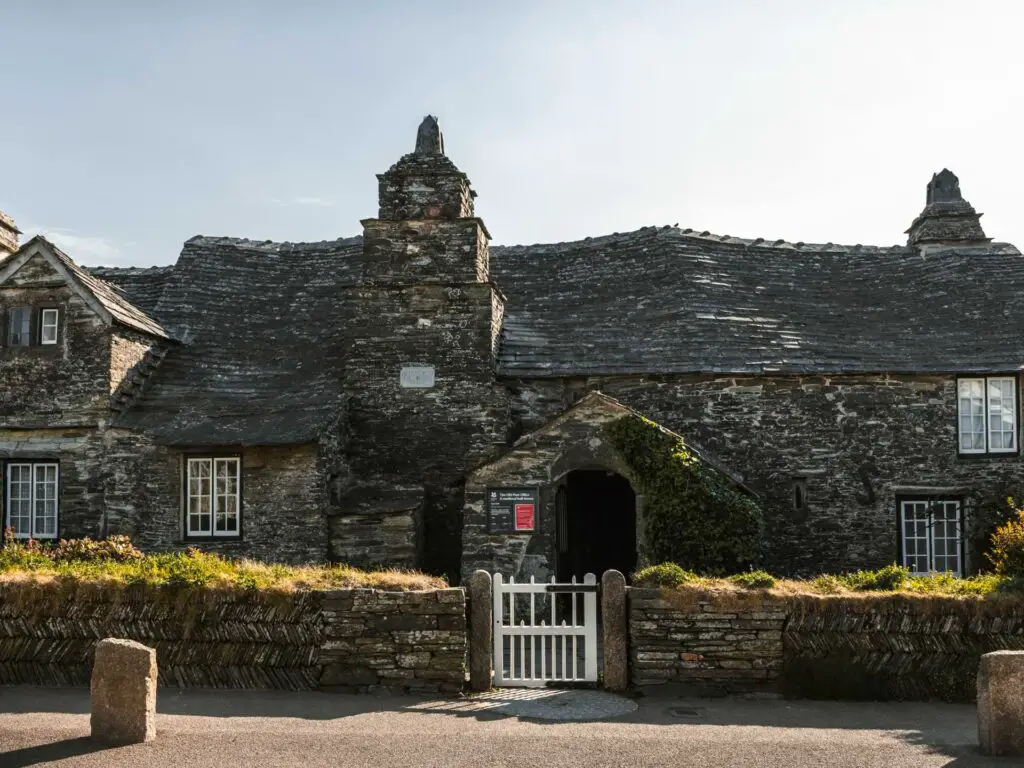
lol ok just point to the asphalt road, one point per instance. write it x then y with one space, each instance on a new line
41 726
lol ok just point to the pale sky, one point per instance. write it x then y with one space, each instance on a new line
130 127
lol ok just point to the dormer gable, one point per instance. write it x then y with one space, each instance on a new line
72 347
39 263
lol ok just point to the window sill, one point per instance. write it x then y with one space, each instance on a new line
982 456
209 539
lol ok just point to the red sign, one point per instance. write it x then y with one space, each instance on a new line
524 517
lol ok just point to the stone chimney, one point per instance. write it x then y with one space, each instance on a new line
947 218
8 235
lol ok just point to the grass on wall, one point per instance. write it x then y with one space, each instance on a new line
891 580
116 562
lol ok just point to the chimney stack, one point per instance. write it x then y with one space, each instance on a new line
8 235
947 219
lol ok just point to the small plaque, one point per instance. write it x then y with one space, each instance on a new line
417 376
513 510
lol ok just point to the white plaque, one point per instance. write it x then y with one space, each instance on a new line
417 376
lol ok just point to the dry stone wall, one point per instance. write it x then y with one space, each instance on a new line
894 648
412 641
353 640
708 644
867 648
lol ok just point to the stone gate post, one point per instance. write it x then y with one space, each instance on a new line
480 608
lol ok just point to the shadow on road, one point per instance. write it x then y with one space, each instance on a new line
44 754
949 730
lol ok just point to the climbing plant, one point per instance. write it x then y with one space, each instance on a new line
693 514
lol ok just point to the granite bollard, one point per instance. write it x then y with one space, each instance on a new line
1001 703
123 692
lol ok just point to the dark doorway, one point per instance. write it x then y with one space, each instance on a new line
596 524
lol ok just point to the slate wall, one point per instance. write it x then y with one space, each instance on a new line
709 645
66 384
83 468
859 441
284 500
573 442
893 648
424 299
859 648
409 641
349 640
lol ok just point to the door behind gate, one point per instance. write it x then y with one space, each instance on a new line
544 633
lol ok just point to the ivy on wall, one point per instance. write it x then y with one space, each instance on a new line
693 515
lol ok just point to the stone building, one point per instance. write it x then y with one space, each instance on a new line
415 397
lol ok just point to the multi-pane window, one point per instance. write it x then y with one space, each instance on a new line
19 326
987 410
31 508
48 326
931 536
213 504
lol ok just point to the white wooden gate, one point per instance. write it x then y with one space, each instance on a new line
544 633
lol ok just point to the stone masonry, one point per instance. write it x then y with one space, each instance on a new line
408 641
712 646
868 647
346 640
374 387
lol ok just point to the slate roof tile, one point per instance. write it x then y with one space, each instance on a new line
664 300
261 327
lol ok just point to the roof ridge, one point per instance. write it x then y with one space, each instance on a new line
155 268
269 245
689 233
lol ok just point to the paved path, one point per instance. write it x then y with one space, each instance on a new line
42 726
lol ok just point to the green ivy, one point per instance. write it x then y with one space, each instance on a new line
693 515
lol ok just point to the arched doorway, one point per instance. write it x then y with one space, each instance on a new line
595 525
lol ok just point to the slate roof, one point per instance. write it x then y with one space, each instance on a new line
664 300
262 324
113 300
142 286
110 297
261 327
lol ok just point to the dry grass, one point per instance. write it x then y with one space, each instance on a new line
196 569
979 596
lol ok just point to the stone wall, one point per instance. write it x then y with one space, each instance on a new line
127 349
424 301
894 648
413 641
857 442
83 468
284 501
60 385
352 640
865 647
709 644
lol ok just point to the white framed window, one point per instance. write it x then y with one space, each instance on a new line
48 319
19 326
987 414
213 496
31 503
930 532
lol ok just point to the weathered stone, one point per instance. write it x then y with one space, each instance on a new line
480 639
340 674
123 692
1001 703
615 628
